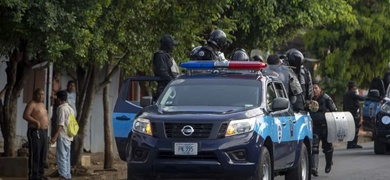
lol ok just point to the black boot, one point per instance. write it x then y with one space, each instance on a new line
329 162
314 165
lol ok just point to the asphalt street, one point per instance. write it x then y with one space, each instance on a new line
355 164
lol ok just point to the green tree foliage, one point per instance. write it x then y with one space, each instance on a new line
265 23
359 47
32 32
125 34
86 36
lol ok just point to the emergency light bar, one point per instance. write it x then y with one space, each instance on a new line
242 65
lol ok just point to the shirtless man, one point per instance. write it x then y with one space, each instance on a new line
38 121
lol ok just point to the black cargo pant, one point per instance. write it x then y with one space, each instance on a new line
160 88
320 133
357 126
37 148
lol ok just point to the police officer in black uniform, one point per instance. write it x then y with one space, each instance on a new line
351 104
289 79
212 49
296 59
320 130
164 66
193 52
239 55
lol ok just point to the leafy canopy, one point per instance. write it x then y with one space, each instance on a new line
359 47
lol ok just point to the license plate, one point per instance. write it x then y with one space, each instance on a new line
186 148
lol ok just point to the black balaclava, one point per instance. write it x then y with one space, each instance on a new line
166 47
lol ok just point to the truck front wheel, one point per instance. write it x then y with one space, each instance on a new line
379 147
301 171
264 167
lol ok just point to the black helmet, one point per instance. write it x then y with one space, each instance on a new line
239 55
295 57
217 38
257 58
195 50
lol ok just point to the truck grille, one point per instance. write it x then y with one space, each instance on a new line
222 130
201 156
173 130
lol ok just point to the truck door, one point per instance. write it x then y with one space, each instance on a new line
126 108
283 129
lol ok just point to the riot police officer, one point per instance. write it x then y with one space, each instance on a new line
164 66
193 52
289 80
320 130
351 104
296 59
239 55
212 49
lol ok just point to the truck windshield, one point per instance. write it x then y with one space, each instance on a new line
212 92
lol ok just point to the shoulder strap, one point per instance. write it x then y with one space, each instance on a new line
211 50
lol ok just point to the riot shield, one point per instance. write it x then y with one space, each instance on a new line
341 126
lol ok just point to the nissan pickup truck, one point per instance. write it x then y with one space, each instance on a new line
220 120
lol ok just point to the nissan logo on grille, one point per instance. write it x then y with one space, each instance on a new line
187 130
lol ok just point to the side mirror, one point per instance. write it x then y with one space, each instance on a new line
146 101
280 104
373 93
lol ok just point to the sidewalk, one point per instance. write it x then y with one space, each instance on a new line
97 172
94 172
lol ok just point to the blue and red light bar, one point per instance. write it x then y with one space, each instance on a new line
234 65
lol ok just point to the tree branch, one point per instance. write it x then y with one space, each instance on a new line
107 79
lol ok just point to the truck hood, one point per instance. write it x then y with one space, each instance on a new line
200 109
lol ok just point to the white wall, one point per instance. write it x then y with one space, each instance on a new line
95 143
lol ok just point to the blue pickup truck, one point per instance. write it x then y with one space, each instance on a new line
221 120
376 115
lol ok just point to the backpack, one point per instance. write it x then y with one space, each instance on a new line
306 82
295 86
73 126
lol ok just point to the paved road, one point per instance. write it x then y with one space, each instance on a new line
355 164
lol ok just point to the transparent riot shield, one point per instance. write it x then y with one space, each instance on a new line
341 126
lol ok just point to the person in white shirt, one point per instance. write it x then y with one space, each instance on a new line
71 91
61 136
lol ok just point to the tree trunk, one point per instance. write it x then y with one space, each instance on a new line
108 150
84 117
8 127
17 71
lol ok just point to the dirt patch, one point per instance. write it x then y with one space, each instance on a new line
97 165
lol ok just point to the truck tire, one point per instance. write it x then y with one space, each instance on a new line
264 167
302 170
379 147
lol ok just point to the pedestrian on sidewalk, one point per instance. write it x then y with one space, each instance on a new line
37 118
61 136
320 129
351 103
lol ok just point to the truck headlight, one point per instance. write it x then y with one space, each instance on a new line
240 126
142 125
385 108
